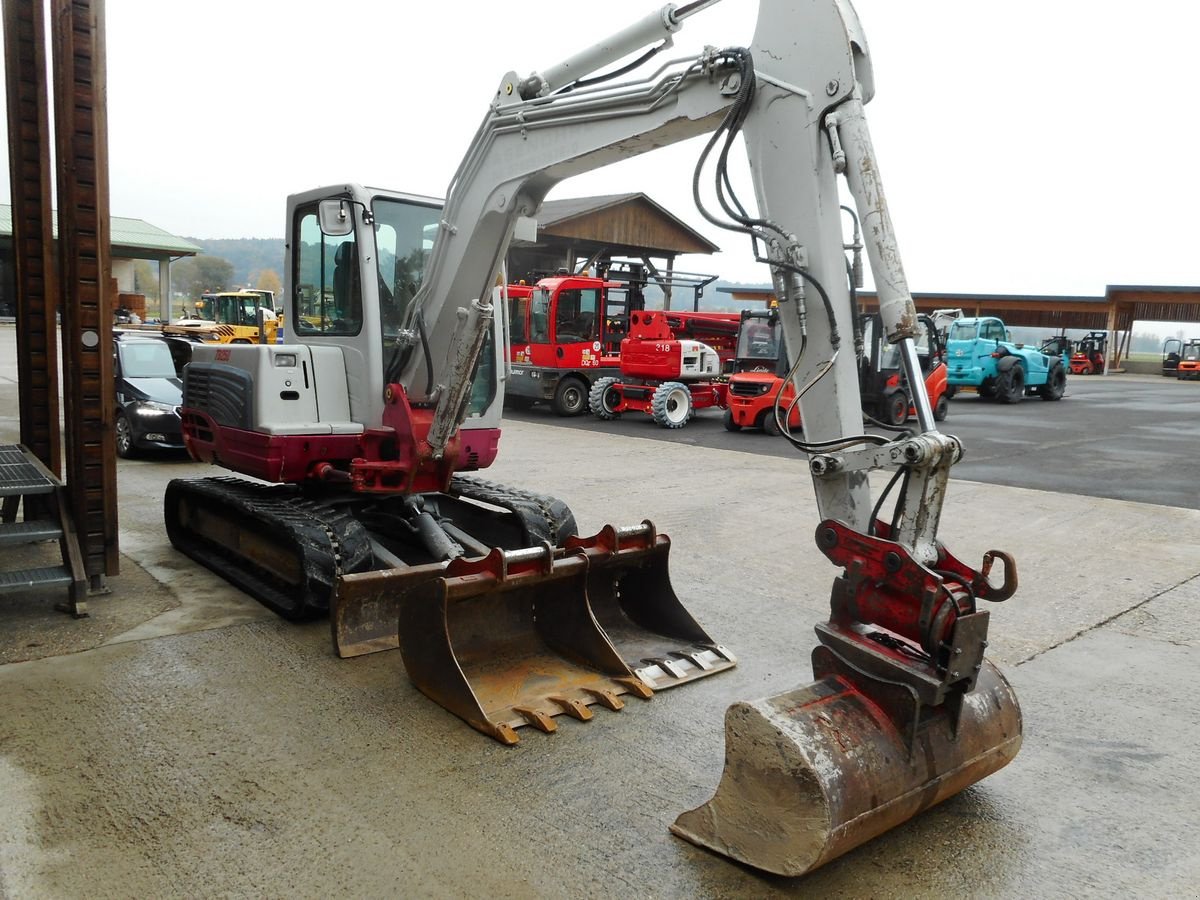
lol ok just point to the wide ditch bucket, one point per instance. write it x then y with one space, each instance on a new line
814 772
509 640
629 586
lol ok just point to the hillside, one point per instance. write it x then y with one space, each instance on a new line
246 255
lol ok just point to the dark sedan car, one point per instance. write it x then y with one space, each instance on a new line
149 392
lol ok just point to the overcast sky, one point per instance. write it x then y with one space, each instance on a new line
1041 147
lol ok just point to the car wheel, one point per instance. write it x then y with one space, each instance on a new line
604 399
571 398
671 405
124 438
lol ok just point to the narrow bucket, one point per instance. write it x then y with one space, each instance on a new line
814 772
509 640
629 586
364 612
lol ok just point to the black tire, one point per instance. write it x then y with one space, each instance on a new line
951 390
571 397
671 405
769 424
1056 383
895 408
987 390
1010 385
941 409
731 425
126 449
604 398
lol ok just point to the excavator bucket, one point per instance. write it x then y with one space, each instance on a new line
509 640
815 772
629 586
364 613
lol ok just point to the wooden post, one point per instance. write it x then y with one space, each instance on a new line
85 270
33 238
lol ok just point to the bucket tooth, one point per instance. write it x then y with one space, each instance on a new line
607 699
629 586
814 772
576 709
505 641
537 719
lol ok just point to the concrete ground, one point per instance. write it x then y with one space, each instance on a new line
209 749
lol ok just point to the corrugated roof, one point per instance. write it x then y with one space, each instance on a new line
133 234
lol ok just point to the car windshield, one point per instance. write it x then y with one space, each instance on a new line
147 359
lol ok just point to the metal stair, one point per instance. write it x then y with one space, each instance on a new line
25 481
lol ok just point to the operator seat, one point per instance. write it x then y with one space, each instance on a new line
347 295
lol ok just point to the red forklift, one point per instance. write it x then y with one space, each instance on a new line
760 370
1088 358
1181 359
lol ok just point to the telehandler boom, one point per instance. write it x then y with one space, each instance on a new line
504 616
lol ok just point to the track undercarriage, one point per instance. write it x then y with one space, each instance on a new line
286 546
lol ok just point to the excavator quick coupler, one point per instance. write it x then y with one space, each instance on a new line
517 637
903 713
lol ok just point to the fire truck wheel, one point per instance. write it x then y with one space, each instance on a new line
671 405
571 398
604 399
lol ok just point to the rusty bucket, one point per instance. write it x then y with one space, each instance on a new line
814 772
509 640
364 611
629 586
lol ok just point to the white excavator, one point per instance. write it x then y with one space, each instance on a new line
392 388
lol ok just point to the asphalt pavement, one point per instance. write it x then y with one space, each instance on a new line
1124 437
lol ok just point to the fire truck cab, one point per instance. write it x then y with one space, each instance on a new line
563 334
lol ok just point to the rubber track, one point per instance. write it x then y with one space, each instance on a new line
328 542
543 517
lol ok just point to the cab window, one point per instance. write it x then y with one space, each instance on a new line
575 317
539 317
518 314
328 293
